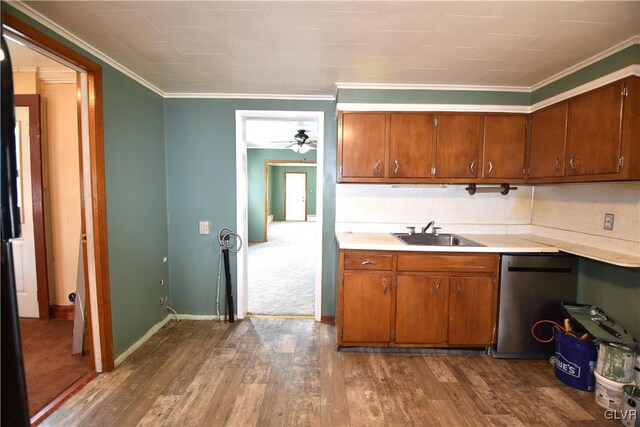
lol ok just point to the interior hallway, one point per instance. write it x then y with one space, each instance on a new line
49 366
262 371
282 270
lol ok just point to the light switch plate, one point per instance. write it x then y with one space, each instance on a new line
608 221
204 227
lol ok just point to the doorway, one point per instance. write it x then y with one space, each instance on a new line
87 93
243 201
295 196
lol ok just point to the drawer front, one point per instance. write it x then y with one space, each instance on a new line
447 262
367 261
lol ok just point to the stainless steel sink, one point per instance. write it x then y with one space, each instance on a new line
435 239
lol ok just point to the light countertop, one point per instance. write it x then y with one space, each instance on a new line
493 243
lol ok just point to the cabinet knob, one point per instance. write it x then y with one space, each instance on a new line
490 168
458 290
571 160
557 164
385 286
438 287
472 167
397 167
377 167
368 262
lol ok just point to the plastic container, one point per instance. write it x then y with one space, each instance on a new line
575 361
615 362
630 416
609 394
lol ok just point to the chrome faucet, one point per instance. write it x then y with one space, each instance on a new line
431 224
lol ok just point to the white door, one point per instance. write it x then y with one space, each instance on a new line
24 250
295 194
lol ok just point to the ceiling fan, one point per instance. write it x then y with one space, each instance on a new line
302 143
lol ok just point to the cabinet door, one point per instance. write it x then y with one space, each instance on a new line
547 144
411 145
471 310
421 309
458 145
367 308
505 139
595 131
362 145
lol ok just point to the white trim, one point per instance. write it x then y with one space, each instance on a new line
40 18
155 328
595 58
272 96
200 317
630 70
401 86
242 200
57 75
345 106
24 69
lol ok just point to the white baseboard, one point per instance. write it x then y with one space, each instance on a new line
200 317
155 328
269 219
311 217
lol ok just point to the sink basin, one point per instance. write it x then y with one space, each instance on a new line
435 239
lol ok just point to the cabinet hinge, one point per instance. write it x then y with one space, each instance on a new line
435 121
395 282
393 335
341 170
433 170
620 161
524 171
625 91
494 282
342 280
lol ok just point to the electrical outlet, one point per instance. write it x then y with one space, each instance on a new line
204 227
608 221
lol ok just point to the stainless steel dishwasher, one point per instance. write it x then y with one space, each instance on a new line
532 287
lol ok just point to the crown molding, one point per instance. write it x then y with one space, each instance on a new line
206 95
605 53
400 86
631 70
57 75
53 26
476 108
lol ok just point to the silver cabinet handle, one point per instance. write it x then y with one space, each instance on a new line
368 262
571 160
458 290
490 167
557 164
377 167
385 286
397 167
438 287
472 168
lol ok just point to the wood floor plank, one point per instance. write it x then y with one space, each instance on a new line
286 372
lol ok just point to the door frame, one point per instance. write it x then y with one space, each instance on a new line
94 184
306 188
242 202
32 102
267 163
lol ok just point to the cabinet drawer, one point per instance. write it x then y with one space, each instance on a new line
448 262
367 261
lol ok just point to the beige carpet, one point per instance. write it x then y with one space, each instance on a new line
282 270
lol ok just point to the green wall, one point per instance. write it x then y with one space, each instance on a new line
395 96
201 170
136 199
255 175
277 201
614 289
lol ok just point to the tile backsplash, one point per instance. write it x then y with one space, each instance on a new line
581 207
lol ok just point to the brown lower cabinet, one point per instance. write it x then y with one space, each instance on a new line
417 299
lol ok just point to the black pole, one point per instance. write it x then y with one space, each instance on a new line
227 276
14 408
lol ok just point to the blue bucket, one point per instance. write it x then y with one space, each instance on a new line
575 361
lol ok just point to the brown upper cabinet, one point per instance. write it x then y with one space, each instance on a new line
411 145
547 141
505 140
458 146
595 131
362 146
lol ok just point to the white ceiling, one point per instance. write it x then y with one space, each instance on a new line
25 57
276 133
304 48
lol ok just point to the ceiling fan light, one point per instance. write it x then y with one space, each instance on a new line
295 148
304 148
301 137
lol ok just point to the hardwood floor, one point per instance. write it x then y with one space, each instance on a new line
274 372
